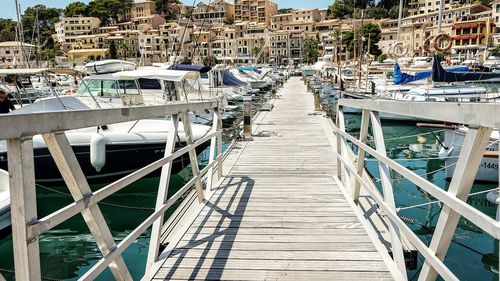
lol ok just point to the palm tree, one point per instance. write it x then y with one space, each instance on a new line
166 45
125 50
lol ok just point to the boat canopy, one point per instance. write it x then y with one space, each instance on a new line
189 67
401 78
230 80
248 68
151 73
439 74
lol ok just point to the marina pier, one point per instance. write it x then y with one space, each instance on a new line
293 202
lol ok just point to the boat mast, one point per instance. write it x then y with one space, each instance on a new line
400 16
20 31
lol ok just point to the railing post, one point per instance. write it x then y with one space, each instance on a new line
465 172
216 124
360 162
247 118
23 208
396 245
192 156
154 244
341 125
70 169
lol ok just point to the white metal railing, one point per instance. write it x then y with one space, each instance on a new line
482 118
19 130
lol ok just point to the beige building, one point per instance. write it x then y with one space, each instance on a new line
10 54
68 29
218 11
415 29
495 12
139 9
259 11
278 20
306 15
419 7
279 47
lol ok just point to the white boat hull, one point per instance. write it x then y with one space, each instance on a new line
488 168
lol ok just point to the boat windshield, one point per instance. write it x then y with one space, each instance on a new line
108 88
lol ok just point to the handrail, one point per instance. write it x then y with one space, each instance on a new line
478 115
19 131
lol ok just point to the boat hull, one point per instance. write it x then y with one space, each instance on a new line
121 159
488 168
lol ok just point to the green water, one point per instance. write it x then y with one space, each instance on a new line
473 254
69 250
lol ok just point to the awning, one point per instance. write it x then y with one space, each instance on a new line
160 74
189 67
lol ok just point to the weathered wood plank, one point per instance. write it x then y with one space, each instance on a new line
279 213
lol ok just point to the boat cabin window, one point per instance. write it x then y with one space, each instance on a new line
128 87
99 88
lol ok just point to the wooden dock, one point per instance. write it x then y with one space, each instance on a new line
279 213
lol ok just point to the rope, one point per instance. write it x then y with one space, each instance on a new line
421 175
416 159
434 202
42 277
102 203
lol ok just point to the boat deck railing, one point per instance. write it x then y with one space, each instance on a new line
27 227
481 119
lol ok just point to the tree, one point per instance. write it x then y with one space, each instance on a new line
372 32
107 10
7 30
285 11
112 50
187 60
75 9
39 21
341 9
311 53
165 8
496 51
382 58
166 45
126 51
210 61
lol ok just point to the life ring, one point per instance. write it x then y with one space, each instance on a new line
399 49
428 43
440 38
390 52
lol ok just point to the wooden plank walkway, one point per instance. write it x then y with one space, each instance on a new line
279 214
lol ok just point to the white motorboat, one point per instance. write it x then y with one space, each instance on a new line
453 141
105 152
4 200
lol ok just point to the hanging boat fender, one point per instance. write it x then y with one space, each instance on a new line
98 151
399 49
440 38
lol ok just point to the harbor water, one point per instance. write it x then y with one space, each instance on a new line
68 250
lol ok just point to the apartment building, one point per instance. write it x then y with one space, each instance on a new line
473 34
306 15
279 47
415 29
218 11
278 20
419 7
144 8
10 54
69 28
259 11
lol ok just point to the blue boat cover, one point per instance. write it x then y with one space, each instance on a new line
189 67
439 74
230 80
401 78
248 68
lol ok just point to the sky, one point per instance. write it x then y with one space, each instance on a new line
8 8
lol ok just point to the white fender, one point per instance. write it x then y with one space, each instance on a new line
98 151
